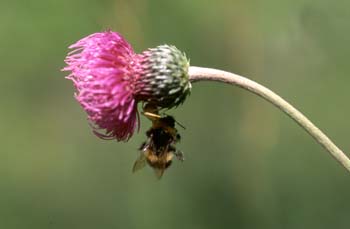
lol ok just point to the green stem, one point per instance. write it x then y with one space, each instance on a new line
208 74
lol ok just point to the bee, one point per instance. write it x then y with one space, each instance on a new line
159 149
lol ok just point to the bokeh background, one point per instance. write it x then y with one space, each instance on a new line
247 164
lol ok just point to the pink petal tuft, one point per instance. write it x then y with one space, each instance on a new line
101 69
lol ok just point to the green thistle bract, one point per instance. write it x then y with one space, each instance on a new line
164 77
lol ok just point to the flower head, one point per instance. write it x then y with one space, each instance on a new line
102 74
110 79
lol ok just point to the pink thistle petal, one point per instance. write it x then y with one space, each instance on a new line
102 73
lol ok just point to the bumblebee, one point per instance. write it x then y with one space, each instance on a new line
159 149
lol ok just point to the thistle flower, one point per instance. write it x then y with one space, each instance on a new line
110 80
103 77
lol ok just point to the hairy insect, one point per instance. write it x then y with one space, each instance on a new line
159 148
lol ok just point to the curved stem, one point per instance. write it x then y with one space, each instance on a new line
208 74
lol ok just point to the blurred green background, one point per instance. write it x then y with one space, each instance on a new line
247 164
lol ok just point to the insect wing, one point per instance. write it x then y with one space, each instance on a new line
139 163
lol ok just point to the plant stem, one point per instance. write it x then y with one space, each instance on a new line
208 74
